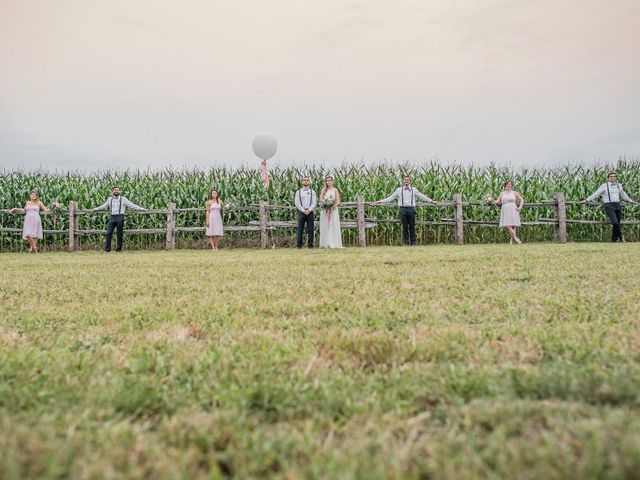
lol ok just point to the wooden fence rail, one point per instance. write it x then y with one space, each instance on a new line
361 223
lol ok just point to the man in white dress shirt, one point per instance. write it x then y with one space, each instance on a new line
306 202
117 205
611 193
406 196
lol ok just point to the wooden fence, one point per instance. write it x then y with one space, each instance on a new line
264 225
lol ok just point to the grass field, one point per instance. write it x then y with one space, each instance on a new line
429 362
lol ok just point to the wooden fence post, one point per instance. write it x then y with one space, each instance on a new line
362 234
457 199
73 219
76 227
170 243
264 239
560 207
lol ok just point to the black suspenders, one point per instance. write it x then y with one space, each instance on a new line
300 198
609 193
111 205
402 196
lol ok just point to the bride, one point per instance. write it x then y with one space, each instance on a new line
330 234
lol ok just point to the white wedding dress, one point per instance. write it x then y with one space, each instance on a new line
330 233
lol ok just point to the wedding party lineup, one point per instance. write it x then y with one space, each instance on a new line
308 202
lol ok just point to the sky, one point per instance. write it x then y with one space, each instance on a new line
94 84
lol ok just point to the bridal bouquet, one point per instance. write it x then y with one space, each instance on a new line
489 199
327 203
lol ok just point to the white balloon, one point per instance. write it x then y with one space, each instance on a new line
264 146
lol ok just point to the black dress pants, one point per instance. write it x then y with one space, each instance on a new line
614 212
115 222
304 220
408 220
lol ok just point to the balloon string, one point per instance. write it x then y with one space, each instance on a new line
264 176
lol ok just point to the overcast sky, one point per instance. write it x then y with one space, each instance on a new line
151 83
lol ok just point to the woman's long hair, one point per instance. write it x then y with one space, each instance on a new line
326 187
217 196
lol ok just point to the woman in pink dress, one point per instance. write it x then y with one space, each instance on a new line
509 211
32 228
214 219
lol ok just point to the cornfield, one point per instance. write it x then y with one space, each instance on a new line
242 186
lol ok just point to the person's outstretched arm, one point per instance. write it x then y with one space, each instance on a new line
104 206
499 200
337 197
21 211
624 196
423 197
130 204
43 207
391 197
597 193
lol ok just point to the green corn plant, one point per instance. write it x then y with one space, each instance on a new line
242 186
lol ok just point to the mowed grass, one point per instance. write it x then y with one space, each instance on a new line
430 362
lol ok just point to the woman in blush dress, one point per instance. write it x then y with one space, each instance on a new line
330 233
32 228
509 211
214 219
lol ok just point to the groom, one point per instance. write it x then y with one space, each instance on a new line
406 196
306 202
